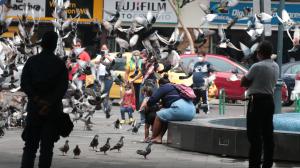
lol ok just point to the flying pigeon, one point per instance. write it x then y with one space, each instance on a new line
145 152
64 149
105 147
248 52
224 42
76 152
94 143
184 2
295 39
285 20
119 145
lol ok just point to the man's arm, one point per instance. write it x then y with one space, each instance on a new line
245 82
26 84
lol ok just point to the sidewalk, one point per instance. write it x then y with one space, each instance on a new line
162 156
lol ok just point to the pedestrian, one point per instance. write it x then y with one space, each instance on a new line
78 54
150 112
104 62
260 83
45 81
174 108
201 72
132 69
149 68
128 103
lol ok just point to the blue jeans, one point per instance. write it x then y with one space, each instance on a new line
123 110
180 110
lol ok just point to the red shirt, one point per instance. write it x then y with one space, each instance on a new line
129 100
83 56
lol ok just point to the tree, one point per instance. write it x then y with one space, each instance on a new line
173 4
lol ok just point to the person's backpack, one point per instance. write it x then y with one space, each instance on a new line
185 92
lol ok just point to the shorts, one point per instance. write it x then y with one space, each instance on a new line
180 110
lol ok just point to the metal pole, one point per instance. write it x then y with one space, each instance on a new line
261 10
277 95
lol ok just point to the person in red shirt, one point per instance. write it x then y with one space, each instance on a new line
79 55
128 103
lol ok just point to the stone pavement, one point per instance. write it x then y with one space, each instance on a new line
162 156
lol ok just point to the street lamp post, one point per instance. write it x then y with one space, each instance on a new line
277 94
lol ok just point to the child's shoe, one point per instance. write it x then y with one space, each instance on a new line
131 120
122 122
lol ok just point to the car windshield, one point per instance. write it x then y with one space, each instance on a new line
187 64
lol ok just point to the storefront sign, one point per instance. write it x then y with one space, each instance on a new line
19 6
225 15
76 7
134 8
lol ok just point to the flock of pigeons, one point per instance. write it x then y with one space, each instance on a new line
106 147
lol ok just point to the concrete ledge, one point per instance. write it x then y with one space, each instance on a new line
207 136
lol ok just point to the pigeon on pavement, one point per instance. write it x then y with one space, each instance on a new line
145 152
95 142
76 152
119 145
105 147
64 149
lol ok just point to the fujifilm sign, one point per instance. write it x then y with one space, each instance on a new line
132 9
19 6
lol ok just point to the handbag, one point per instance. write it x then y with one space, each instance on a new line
65 125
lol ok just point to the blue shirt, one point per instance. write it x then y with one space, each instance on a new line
167 93
201 70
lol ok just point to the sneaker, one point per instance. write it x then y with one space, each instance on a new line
131 120
122 122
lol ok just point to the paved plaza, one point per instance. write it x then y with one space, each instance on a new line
162 156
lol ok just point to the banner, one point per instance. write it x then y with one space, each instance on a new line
225 15
134 8
18 7
76 6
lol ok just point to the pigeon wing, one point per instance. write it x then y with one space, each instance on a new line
230 45
133 40
122 43
245 49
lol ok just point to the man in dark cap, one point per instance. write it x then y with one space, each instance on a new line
44 80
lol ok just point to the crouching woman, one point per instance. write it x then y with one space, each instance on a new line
174 108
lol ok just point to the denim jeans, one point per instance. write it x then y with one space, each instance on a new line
123 110
180 110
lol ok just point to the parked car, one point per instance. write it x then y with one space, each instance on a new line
288 73
225 71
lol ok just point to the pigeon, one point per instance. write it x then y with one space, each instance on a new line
64 149
145 152
135 128
295 39
248 52
224 42
94 143
76 152
119 145
184 2
87 123
285 19
105 147
117 124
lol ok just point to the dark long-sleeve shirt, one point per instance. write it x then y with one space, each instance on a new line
44 76
167 93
